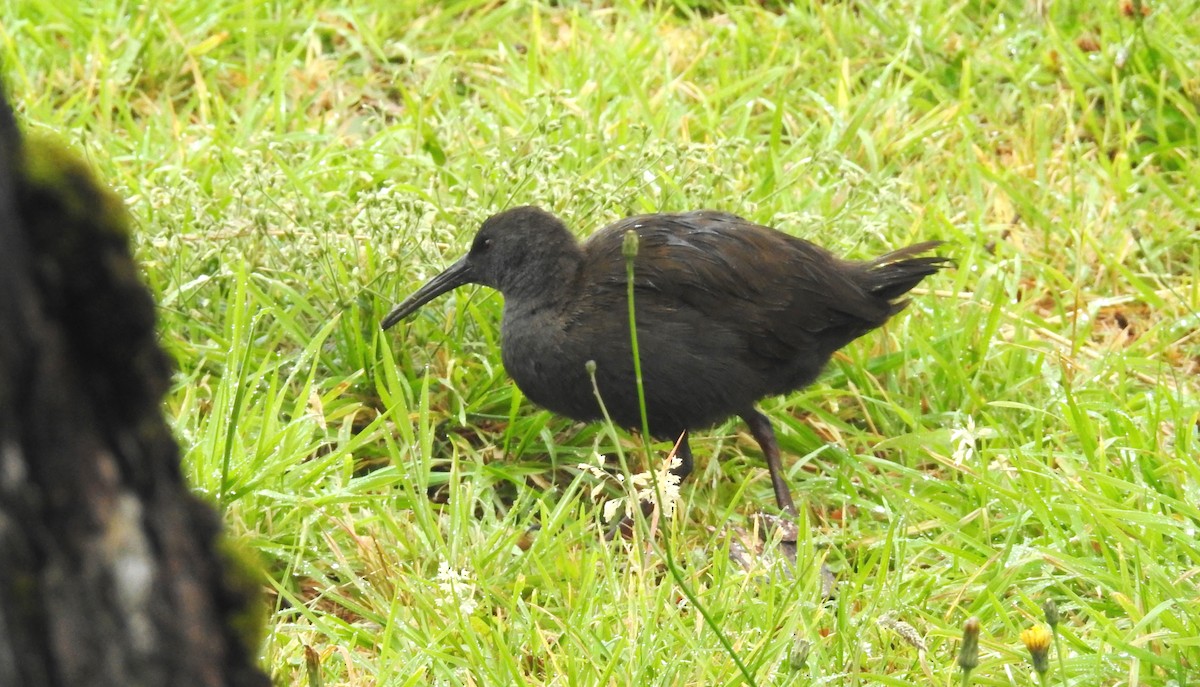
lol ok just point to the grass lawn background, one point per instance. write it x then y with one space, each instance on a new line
1026 430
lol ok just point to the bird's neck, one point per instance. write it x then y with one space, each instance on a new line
548 271
550 279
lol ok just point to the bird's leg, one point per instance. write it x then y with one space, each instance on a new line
760 429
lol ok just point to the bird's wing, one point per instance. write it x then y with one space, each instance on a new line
777 291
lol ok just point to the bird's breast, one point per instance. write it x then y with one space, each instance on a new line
548 362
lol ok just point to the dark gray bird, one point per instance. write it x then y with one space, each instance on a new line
728 312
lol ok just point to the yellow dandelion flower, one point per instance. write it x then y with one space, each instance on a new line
1037 640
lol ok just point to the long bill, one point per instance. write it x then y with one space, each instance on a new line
452 277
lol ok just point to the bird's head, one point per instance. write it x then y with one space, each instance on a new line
519 252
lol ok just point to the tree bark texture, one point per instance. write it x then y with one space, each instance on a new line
111 571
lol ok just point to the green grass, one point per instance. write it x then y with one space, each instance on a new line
1026 430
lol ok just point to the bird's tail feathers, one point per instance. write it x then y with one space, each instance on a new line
895 274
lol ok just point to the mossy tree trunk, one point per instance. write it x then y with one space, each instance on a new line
111 572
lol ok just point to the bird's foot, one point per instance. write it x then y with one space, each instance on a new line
774 545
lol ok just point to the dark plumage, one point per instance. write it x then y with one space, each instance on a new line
728 312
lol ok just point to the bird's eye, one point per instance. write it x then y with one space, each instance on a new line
485 244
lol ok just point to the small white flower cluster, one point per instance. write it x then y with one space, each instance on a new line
966 439
455 587
641 487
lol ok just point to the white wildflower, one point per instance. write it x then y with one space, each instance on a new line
641 488
668 482
966 439
455 587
